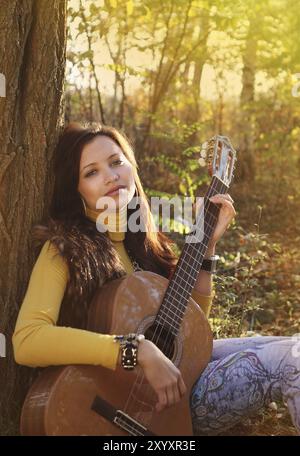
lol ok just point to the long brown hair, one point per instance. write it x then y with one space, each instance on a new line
151 248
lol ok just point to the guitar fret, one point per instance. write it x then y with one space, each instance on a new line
185 266
169 299
187 272
184 272
179 300
166 316
197 242
160 319
193 258
172 287
184 289
178 292
192 239
163 319
178 310
196 249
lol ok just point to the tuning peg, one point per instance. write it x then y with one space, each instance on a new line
204 145
201 161
203 153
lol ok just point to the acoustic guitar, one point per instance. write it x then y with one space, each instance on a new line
94 400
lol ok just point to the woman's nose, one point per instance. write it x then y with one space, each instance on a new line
111 177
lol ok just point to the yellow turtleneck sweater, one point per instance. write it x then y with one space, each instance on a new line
37 341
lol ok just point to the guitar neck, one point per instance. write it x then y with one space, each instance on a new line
180 287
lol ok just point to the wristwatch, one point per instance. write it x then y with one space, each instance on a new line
210 264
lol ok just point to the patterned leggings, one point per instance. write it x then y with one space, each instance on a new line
243 376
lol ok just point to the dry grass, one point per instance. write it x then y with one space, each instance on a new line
267 423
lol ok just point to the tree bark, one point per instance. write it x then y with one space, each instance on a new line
32 58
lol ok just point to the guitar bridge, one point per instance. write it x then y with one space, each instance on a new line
119 418
128 423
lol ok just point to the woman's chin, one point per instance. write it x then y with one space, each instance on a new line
115 201
111 203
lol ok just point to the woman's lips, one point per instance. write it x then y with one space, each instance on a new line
115 192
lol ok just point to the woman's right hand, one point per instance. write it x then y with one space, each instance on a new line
161 373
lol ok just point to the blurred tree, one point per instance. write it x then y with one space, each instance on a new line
246 168
88 29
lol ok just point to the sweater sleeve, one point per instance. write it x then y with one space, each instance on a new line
204 301
37 341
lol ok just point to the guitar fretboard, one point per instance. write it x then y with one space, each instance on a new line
176 298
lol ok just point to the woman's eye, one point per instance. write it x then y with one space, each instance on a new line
118 162
90 173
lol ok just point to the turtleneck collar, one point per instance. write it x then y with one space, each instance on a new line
115 228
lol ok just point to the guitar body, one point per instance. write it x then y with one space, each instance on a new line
60 400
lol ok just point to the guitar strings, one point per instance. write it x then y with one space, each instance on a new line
140 376
166 342
199 253
134 387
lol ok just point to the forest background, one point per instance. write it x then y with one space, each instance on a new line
170 75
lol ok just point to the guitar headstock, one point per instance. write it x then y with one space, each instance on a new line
219 156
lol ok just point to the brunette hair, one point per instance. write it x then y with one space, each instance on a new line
152 249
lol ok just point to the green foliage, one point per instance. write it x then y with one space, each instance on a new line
253 295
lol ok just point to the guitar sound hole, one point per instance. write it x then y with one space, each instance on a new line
162 338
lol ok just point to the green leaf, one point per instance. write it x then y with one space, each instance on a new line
182 188
146 14
129 7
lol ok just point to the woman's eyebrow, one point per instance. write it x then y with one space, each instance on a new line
95 163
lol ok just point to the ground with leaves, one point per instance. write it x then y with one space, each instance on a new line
258 284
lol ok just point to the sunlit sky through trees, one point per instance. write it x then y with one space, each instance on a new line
223 73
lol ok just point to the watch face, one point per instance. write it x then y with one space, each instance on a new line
210 264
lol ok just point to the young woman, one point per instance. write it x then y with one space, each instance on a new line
96 164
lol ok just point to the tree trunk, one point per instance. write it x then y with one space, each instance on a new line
199 64
32 58
246 169
194 114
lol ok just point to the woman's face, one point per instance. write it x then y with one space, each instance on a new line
104 166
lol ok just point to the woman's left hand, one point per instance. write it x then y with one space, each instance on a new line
226 215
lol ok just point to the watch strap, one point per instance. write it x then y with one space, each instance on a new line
210 264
